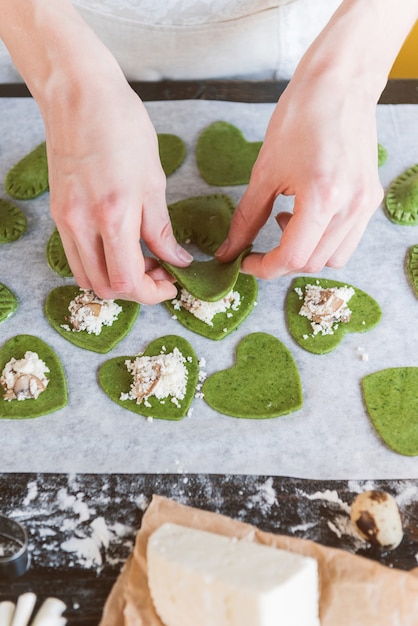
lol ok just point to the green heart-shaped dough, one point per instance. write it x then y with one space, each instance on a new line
56 310
365 314
391 400
114 378
8 302
172 151
412 267
224 156
29 177
223 323
54 397
13 223
203 220
56 257
263 383
207 280
402 198
382 155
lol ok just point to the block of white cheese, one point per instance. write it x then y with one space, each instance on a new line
198 578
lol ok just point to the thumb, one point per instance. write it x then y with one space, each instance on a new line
157 233
248 218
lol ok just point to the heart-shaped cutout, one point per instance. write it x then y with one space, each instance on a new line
8 302
115 379
223 323
56 311
56 257
203 220
365 315
28 178
13 222
54 397
391 400
263 383
224 156
172 150
402 198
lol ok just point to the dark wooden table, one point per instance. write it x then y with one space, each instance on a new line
37 499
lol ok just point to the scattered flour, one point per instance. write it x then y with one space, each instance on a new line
330 496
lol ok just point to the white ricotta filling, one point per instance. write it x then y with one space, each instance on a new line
25 378
90 313
201 578
162 375
206 311
325 307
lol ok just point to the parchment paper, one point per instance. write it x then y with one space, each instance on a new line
353 589
330 437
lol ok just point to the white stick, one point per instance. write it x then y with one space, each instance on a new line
24 607
49 612
6 612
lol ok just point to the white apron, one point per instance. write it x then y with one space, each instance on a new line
192 39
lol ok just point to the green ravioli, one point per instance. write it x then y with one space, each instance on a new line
382 155
402 198
29 177
223 323
391 400
54 397
263 383
115 379
13 223
412 267
172 151
8 303
56 310
365 314
204 220
207 280
56 256
224 156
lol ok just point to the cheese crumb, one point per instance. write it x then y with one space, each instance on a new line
206 311
325 307
90 313
161 376
25 378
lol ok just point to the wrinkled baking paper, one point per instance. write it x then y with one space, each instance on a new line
354 590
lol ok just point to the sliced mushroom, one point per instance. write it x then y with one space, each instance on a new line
28 386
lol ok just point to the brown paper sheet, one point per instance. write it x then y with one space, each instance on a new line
354 591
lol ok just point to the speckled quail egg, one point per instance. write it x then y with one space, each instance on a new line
376 518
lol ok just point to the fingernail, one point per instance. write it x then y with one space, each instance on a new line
183 255
223 248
